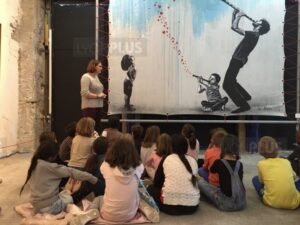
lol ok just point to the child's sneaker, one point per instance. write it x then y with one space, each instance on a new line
85 218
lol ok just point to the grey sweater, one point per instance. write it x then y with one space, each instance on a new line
90 84
45 179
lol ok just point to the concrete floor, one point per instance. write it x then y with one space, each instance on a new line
13 171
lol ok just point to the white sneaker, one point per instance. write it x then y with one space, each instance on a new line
85 218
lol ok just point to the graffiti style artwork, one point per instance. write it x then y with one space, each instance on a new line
214 57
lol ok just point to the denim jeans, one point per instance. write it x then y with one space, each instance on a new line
64 198
215 196
259 187
203 173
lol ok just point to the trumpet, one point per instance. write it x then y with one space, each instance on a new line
200 77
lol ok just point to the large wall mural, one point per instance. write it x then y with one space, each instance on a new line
196 57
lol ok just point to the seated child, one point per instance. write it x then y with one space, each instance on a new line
112 133
149 144
231 195
210 156
65 146
121 171
47 136
189 132
137 132
82 143
294 157
275 183
44 176
175 188
164 148
92 166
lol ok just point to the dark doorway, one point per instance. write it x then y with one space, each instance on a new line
73 26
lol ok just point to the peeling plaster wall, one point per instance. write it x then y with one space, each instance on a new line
30 35
22 78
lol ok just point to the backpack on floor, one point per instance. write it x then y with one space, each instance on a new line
237 188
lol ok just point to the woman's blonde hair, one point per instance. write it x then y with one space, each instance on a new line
268 147
85 127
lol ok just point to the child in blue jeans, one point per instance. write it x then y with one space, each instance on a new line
231 194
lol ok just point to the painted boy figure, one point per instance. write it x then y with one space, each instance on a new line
235 91
127 64
211 86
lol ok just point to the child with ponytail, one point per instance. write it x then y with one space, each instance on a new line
44 176
189 132
175 187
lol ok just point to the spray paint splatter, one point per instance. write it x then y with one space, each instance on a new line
163 20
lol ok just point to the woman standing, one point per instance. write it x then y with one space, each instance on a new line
92 92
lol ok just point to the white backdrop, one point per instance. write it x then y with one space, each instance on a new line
202 29
9 78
